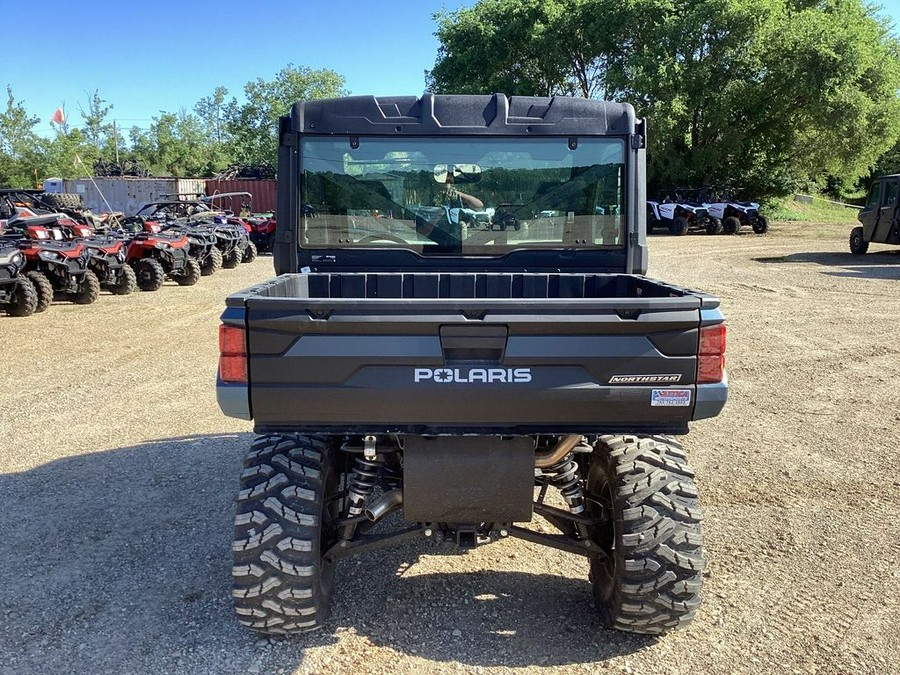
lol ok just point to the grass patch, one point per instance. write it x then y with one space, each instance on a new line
815 211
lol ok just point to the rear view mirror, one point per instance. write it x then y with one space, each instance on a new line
461 173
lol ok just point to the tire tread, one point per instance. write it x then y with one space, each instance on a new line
658 535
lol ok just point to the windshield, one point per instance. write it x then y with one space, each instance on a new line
479 196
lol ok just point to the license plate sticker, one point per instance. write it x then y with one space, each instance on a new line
670 397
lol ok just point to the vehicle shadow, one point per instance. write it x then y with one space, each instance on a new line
874 265
120 561
480 617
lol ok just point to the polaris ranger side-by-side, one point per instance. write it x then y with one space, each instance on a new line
878 219
460 378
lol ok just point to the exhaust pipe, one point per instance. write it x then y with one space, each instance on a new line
544 460
389 501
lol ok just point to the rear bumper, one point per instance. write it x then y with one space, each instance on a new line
711 399
233 399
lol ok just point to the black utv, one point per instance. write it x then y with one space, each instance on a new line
408 361
878 217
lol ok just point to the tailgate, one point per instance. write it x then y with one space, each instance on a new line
450 365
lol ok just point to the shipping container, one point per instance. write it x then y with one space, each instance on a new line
263 191
129 194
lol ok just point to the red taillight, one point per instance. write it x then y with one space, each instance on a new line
711 359
232 354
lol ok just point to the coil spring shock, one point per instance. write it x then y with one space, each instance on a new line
361 483
565 476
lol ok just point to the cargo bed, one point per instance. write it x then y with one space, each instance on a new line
474 353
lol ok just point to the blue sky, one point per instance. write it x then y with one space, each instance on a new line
161 55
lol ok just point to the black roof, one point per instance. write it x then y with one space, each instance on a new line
443 114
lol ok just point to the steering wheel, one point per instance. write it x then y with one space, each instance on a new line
372 238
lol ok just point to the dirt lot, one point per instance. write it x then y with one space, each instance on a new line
118 473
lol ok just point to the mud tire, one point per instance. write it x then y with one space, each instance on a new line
714 225
62 200
650 583
24 299
126 283
150 274
858 243
44 289
250 253
679 226
761 226
731 225
231 259
281 582
90 290
191 274
211 263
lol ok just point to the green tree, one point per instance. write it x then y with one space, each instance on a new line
70 154
768 94
252 127
175 145
20 148
212 112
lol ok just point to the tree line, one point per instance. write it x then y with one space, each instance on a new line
216 132
773 96
770 95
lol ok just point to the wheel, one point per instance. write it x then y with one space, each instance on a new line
650 581
24 299
231 259
44 289
150 274
62 200
761 226
191 274
270 243
212 263
679 226
250 253
714 225
126 283
282 583
858 243
731 225
88 291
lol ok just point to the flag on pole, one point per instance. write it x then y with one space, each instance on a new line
58 116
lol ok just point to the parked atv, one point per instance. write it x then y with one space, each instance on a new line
262 232
733 214
678 212
18 296
175 216
107 257
72 205
54 266
155 255
231 238
226 203
201 244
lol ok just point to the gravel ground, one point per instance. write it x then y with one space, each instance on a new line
118 473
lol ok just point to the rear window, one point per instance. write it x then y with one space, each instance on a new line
462 195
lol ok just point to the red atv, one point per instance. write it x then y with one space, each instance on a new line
18 296
155 255
262 232
107 257
54 266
